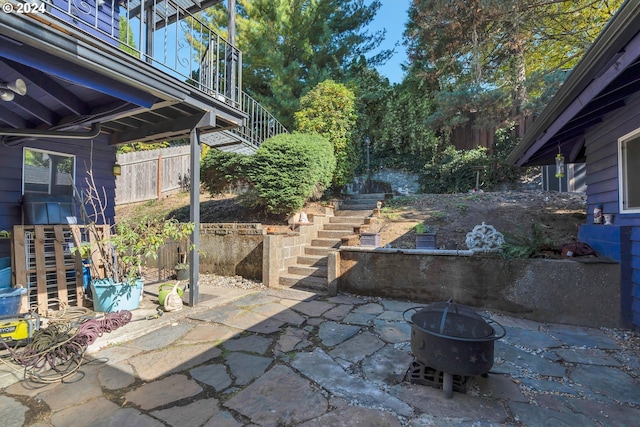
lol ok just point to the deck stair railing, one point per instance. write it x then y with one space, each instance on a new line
260 125
170 35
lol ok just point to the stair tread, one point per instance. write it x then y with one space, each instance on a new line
290 280
361 213
308 270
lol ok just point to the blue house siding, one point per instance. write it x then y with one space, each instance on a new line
11 175
635 274
620 241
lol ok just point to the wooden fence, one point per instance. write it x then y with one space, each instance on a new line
148 175
470 136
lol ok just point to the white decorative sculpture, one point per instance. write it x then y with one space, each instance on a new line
484 237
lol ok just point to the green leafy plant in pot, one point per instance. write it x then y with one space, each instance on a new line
122 249
133 242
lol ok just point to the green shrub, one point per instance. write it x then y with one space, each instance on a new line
422 228
452 171
526 245
220 170
288 169
329 110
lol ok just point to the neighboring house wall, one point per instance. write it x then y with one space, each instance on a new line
574 180
602 189
11 175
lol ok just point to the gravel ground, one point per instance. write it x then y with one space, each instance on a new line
151 276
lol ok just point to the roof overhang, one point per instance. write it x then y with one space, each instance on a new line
603 80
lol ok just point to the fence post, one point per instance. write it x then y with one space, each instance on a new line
159 177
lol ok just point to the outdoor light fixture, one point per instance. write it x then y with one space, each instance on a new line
8 90
117 169
559 165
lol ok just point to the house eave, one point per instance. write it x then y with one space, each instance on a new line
87 53
601 56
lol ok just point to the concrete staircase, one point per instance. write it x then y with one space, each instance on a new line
350 217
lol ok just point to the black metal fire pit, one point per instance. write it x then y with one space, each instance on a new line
454 339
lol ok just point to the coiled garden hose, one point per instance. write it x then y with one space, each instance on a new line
57 351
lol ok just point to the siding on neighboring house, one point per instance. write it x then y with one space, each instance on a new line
602 188
11 175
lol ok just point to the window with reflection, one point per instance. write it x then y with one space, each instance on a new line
47 172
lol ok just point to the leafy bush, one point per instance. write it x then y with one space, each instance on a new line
283 173
452 171
288 169
329 110
525 245
220 170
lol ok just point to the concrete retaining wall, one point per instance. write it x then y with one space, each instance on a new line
230 249
554 291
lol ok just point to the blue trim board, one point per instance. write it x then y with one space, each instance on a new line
626 272
636 290
605 240
626 284
636 309
50 64
615 242
635 278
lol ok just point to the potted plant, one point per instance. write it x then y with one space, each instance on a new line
425 237
132 243
182 271
121 251
183 234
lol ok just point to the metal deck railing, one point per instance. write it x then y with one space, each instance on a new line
260 125
169 35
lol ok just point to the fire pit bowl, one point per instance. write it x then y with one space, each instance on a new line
454 339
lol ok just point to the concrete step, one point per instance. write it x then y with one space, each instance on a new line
362 213
374 196
333 234
304 282
306 270
351 220
314 260
318 251
341 226
326 243
358 204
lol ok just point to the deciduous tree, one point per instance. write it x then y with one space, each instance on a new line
289 46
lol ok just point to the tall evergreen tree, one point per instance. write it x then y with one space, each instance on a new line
496 52
289 46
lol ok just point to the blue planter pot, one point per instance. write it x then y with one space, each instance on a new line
109 297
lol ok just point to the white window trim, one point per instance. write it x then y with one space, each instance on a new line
621 173
55 153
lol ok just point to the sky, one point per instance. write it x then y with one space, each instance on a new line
392 16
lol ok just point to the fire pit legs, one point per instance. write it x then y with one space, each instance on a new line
447 384
453 339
